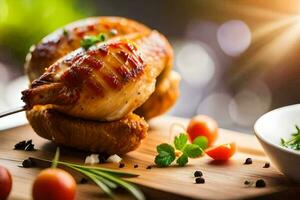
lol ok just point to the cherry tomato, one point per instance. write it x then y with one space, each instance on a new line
54 184
5 183
222 152
202 125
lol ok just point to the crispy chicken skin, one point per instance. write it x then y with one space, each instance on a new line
63 41
118 137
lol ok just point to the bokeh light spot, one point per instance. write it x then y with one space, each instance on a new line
249 104
195 64
216 106
234 37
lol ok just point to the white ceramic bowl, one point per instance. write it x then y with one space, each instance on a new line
273 126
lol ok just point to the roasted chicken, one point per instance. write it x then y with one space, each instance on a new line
63 41
84 98
104 83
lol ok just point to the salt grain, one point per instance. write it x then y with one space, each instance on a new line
114 159
92 159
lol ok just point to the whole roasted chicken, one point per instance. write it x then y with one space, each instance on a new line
85 97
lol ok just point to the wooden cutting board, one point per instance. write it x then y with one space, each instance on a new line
223 181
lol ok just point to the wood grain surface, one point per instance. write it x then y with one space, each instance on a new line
223 180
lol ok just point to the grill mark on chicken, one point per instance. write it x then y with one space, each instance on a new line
135 67
73 59
93 62
131 48
95 87
102 51
123 55
123 72
76 75
44 79
112 80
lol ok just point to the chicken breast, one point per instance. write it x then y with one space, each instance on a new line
105 82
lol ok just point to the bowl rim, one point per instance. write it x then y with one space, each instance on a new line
278 146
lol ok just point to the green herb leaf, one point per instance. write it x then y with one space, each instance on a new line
283 143
105 188
166 155
182 160
201 141
129 187
89 41
192 150
110 171
180 141
65 32
294 142
165 148
55 159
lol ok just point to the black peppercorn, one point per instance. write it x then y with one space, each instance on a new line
27 163
260 183
198 174
20 145
149 167
267 165
200 180
28 142
248 161
121 165
136 166
29 147
247 182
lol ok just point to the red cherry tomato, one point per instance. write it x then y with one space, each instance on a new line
5 183
54 184
222 152
202 125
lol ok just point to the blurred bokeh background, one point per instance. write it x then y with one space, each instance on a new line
238 59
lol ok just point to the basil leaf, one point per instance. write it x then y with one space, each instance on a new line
192 150
201 141
180 141
182 160
166 155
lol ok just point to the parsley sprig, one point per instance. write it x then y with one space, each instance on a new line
91 40
294 142
167 155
